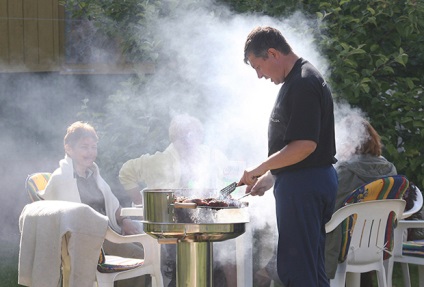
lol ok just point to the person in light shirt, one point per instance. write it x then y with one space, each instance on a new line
187 163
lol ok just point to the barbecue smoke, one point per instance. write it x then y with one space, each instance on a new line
350 132
206 57
209 55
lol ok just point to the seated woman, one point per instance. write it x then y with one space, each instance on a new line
359 164
78 180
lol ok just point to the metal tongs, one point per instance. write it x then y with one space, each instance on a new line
226 191
247 194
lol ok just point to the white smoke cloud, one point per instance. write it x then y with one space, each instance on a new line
350 133
208 51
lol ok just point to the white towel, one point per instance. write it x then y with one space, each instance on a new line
43 226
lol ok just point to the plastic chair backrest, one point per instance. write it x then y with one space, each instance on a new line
367 237
390 187
417 203
35 183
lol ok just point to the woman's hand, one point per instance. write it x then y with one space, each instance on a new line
130 227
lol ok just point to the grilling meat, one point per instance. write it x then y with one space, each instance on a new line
198 201
218 203
212 202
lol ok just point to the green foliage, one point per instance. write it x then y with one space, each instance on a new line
268 7
376 65
374 49
376 61
122 21
127 125
133 120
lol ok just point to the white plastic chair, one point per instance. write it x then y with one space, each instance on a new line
150 263
399 241
119 267
418 204
405 260
367 238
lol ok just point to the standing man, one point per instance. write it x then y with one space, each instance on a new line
301 150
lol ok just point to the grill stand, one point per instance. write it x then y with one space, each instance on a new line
194 264
193 230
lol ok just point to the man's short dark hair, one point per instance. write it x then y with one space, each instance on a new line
261 39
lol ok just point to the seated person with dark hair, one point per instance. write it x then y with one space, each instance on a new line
362 165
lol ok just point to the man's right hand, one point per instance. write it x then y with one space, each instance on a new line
263 184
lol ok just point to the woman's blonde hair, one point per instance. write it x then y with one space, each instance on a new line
372 145
77 131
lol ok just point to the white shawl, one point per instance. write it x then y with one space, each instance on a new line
55 230
63 186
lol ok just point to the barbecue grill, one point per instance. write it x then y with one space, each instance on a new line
193 229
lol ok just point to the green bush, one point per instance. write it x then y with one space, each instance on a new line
376 59
374 49
376 63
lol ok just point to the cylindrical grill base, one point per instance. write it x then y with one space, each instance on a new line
194 264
